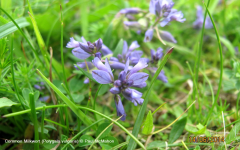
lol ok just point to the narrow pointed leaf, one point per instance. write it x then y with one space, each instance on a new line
148 124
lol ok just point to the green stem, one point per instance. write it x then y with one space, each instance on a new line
35 122
28 110
42 122
63 126
95 99
66 119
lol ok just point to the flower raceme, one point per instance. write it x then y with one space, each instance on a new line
126 79
84 49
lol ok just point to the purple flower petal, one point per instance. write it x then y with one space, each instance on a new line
102 77
44 98
133 46
173 15
99 44
125 47
142 85
83 65
167 36
162 77
133 95
140 65
86 81
85 47
148 35
108 67
79 53
130 11
138 78
132 24
73 43
83 40
114 59
117 65
106 50
119 107
126 66
115 90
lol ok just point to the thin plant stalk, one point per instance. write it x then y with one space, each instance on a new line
29 110
35 122
95 99
66 119
42 122
63 126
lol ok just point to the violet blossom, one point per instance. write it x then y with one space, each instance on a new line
200 18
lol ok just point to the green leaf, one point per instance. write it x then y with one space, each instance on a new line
194 130
85 140
140 116
197 148
50 127
75 85
177 130
73 107
77 98
101 128
207 133
9 28
5 102
108 35
118 49
233 133
156 144
103 90
148 124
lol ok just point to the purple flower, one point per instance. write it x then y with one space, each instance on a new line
167 36
148 35
160 7
173 15
83 65
131 78
44 98
130 11
86 81
161 75
84 49
200 18
119 107
128 52
104 73
132 24
156 56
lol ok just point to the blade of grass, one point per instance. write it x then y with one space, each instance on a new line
197 62
73 107
140 116
95 99
79 133
9 27
13 76
34 51
221 56
117 123
35 121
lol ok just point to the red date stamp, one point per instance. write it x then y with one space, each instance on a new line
204 139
